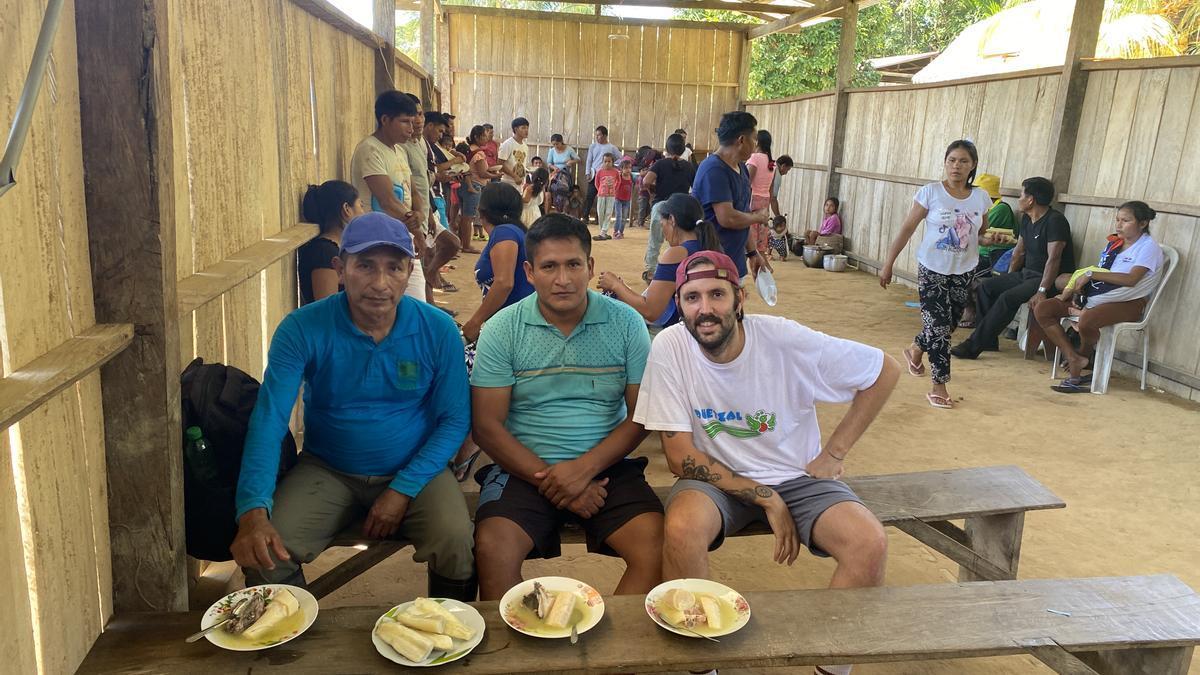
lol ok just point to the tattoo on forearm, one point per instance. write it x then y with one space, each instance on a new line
696 472
748 495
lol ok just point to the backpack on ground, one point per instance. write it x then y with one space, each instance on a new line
218 399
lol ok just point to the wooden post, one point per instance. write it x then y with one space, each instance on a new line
1068 105
997 539
444 76
845 74
428 35
125 87
384 25
744 71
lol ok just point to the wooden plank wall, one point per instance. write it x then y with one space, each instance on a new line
800 128
903 132
1139 139
304 133
567 76
55 565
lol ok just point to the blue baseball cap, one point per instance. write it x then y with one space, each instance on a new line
376 229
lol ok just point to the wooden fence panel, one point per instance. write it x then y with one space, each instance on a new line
567 75
799 129
54 527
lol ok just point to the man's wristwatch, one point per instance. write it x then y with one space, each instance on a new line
751 254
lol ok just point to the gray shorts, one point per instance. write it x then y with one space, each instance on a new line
806 497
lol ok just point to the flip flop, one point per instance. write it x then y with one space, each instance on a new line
1071 385
939 401
449 287
915 369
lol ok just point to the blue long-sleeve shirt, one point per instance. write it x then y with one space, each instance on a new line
401 407
595 156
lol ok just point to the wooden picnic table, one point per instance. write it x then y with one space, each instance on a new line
1105 625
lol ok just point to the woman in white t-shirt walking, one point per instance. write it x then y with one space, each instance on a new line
955 214
1112 292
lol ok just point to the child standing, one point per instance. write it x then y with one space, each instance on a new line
778 240
607 178
624 197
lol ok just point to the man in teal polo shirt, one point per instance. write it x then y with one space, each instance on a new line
385 407
553 391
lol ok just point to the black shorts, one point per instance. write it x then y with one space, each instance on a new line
505 496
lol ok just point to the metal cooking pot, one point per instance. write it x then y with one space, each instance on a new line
813 256
835 263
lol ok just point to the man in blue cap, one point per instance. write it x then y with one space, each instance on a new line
386 405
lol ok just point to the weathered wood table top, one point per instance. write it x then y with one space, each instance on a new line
786 628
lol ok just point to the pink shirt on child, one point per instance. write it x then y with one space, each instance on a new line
606 182
831 225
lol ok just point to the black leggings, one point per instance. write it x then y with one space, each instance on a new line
943 298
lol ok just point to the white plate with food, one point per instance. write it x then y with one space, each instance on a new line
697 608
273 615
428 632
547 607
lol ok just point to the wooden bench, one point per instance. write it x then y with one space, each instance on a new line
1106 626
991 500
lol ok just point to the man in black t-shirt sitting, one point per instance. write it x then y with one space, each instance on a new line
1043 251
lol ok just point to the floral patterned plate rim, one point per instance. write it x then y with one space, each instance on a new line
588 595
461 610
741 608
218 610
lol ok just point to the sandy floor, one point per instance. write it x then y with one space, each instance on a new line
1121 462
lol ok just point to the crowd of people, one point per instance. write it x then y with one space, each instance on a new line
558 383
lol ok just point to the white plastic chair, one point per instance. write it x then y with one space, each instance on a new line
1106 349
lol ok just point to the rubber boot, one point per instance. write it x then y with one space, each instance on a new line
464 590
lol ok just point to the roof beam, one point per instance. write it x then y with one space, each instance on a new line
702 4
816 11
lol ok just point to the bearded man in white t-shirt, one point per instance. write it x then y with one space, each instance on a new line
734 397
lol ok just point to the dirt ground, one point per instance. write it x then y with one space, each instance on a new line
1121 461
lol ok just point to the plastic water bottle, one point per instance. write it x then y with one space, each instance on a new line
199 457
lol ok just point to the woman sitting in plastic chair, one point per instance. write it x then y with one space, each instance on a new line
1115 291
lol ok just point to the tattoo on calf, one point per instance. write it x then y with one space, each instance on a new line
696 472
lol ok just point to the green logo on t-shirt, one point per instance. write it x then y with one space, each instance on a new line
756 424
406 374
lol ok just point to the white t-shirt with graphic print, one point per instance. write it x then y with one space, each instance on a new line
756 414
951 242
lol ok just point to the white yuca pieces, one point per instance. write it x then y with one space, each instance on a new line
408 642
442 642
454 628
560 611
427 624
282 605
712 612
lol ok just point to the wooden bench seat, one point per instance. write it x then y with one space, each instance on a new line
991 500
1110 626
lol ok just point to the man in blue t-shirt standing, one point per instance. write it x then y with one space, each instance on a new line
722 185
553 390
385 408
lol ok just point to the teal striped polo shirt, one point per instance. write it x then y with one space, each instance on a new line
568 392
